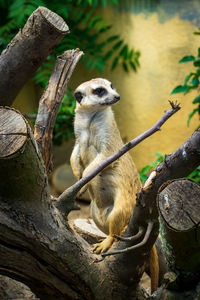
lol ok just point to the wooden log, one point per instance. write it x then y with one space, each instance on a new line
27 51
21 168
13 132
51 100
179 207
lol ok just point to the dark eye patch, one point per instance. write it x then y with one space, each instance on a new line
78 96
100 91
111 86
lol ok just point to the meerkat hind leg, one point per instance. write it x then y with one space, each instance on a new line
116 226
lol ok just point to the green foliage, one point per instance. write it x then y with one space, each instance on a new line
195 175
88 31
191 82
63 128
145 171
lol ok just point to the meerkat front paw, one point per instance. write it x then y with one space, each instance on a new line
103 246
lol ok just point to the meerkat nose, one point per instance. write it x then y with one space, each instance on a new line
117 97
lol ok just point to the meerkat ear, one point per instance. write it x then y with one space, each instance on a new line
78 96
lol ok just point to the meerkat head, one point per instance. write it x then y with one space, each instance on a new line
96 94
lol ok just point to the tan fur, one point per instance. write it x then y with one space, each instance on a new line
113 191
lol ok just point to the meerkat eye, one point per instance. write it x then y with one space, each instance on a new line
100 91
78 96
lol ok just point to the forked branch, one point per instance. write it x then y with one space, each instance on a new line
51 100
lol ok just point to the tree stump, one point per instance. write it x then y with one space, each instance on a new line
179 206
28 49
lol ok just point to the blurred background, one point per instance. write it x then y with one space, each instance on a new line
149 49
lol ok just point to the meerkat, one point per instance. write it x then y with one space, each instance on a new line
113 191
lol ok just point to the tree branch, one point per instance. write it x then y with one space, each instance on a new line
67 197
51 100
27 51
142 243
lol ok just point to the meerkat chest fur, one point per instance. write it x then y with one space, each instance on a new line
93 131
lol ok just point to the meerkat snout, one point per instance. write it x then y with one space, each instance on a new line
117 97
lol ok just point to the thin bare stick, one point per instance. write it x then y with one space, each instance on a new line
131 238
142 243
70 193
51 100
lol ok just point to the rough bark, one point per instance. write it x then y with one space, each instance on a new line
179 207
51 100
37 247
12 289
28 49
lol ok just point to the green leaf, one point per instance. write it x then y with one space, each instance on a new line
115 62
137 61
197 62
113 38
143 178
146 169
117 45
103 2
188 78
133 66
130 55
125 66
196 100
195 81
195 175
179 89
116 2
124 52
108 54
187 58
94 21
191 115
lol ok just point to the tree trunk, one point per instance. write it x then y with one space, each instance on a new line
179 208
178 204
27 51
37 246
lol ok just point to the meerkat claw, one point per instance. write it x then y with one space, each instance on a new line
104 246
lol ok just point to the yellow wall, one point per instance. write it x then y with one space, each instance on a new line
27 99
145 94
